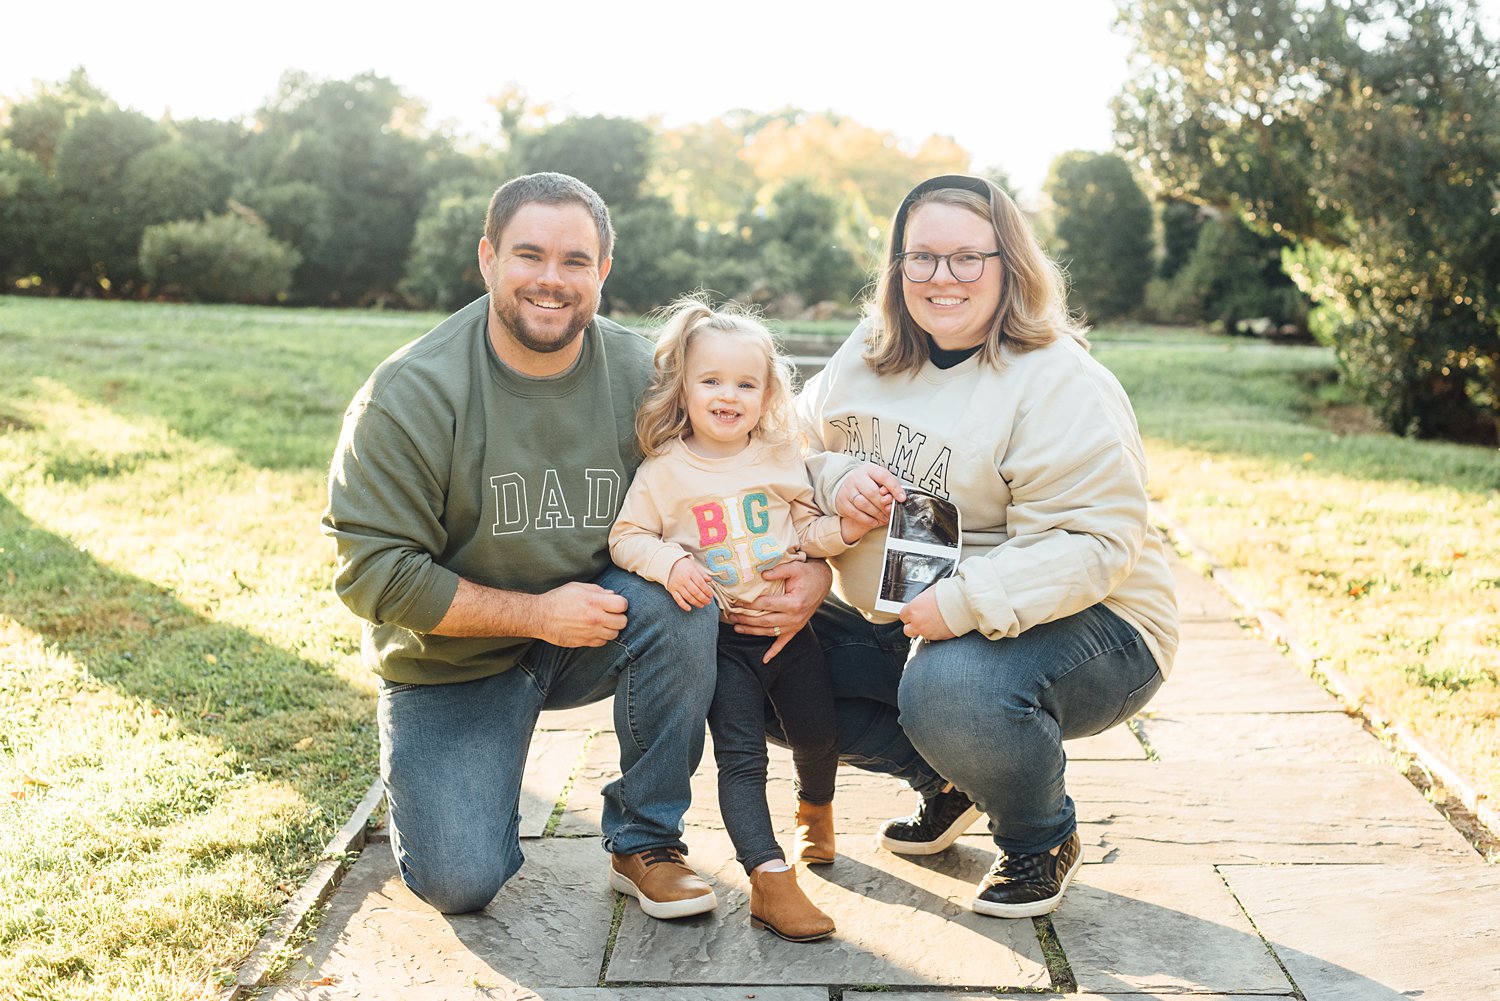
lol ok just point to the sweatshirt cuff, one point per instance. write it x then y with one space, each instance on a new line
659 566
954 607
434 600
827 538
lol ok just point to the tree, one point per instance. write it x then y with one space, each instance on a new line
795 243
442 270
1102 220
355 155
36 124
94 230
656 257
1181 221
173 181
1234 279
610 155
1367 131
26 195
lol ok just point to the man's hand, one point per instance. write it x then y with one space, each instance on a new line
807 584
924 619
688 584
866 495
573 615
580 614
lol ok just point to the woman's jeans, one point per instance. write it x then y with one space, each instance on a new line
989 716
452 756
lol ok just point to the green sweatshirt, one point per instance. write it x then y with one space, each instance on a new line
452 465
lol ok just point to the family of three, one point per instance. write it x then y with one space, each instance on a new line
535 508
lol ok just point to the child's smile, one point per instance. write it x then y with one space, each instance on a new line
724 393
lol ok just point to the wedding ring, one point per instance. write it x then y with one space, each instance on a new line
775 630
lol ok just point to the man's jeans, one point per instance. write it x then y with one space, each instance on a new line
452 756
989 716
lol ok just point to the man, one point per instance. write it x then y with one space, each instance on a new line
470 499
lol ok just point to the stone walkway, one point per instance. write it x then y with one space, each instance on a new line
1244 838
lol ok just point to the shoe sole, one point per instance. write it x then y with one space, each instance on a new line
942 843
760 925
665 910
1032 908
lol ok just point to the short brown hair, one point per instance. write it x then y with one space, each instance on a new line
548 188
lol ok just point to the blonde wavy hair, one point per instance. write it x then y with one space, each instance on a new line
662 416
1033 309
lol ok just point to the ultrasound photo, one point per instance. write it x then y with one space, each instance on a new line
922 548
925 518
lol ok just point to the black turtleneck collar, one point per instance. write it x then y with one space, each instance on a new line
944 358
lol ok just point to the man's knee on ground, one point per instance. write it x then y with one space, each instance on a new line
458 889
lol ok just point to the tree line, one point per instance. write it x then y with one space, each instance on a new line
338 193
1281 166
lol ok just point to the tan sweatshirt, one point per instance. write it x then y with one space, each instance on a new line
738 516
1044 460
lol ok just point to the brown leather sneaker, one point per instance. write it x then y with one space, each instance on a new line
662 883
813 844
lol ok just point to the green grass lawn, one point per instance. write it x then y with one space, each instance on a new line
183 719
1383 553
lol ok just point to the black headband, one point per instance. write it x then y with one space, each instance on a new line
963 182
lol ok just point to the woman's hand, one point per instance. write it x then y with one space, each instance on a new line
924 619
807 584
866 495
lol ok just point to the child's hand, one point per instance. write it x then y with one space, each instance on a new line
688 584
853 530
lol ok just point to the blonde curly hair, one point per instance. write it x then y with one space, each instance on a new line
662 416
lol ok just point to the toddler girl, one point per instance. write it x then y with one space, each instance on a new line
722 496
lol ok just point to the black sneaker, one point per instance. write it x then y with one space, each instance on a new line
1024 886
937 824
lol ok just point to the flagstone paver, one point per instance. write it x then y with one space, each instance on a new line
546 928
549 764
1356 933
1272 738
1262 813
899 922
1162 928
1307 811
513 992
1236 675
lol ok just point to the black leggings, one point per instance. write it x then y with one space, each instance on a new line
795 687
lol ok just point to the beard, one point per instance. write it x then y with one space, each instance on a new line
543 342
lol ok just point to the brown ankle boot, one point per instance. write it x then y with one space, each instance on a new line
777 904
814 835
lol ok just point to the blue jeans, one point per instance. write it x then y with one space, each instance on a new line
451 756
989 716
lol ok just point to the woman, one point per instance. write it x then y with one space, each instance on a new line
970 380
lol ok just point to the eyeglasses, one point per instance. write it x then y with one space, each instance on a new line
966 265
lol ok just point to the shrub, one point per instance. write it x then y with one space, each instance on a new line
442 269
1103 226
222 258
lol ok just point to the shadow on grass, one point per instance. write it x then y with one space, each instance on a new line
251 697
